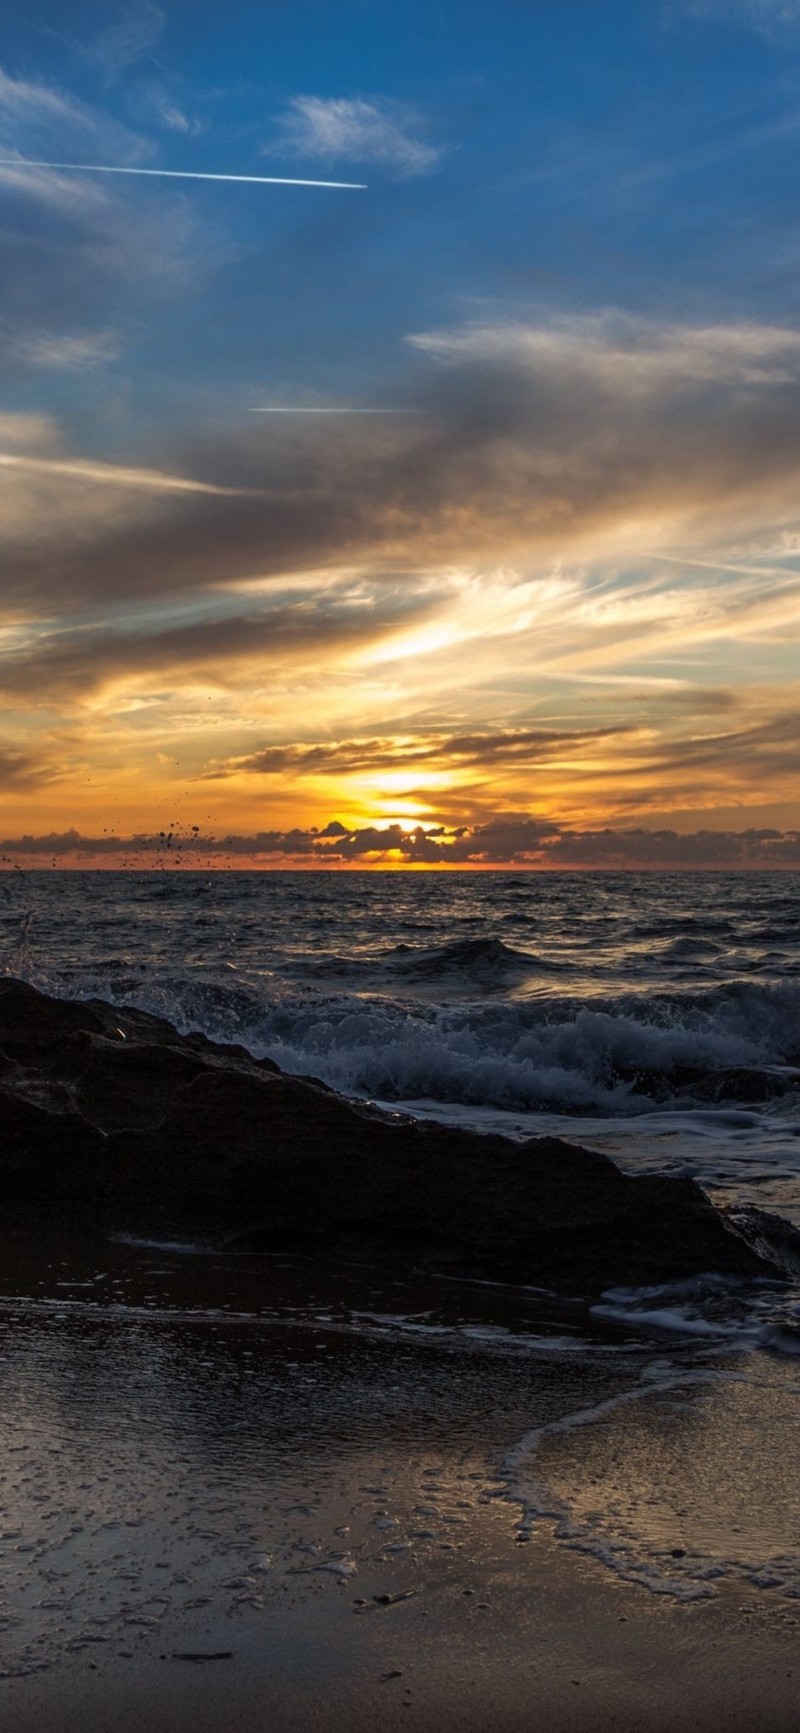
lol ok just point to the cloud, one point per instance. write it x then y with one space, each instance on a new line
35 430
514 839
68 666
757 849
152 103
637 764
35 116
37 107
132 37
601 437
481 749
764 15
21 770
478 571
67 351
342 129
624 353
115 475
83 256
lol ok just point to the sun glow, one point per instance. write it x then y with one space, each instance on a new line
401 812
424 642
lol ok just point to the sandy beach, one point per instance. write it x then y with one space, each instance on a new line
300 1518
540 1642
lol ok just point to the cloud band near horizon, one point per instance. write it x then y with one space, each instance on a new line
507 841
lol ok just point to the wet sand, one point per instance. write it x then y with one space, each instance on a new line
326 1505
504 1645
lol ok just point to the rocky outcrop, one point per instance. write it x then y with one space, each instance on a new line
111 1116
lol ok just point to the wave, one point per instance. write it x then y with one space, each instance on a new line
461 965
615 1056
474 957
688 949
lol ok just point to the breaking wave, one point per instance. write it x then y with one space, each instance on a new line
630 1055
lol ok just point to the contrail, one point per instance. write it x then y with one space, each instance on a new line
175 174
322 409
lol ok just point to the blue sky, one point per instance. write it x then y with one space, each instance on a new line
573 268
566 156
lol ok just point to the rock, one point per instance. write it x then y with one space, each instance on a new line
741 1084
110 1115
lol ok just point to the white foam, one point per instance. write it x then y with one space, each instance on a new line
626 1511
670 1319
612 1056
189 1248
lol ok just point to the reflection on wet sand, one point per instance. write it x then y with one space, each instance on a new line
180 1463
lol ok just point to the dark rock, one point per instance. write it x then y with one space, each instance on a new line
113 1116
741 1083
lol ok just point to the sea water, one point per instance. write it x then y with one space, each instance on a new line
653 1017
613 1008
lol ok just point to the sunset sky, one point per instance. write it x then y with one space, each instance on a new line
532 592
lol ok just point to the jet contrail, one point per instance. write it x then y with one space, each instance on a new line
323 409
176 174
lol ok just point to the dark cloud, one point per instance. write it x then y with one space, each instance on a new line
644 764
534 439
483 747
642 849
73 665
514 839
20 770
760 750
701 701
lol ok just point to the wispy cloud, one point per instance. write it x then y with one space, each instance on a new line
152 103
70 351
480 749
30 103
22 771
658 757
34 115
82 250
628 354
33 432
764 15
115 475
348 129
78 663
603 439
325 409
135 32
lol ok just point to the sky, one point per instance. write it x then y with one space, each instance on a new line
446 514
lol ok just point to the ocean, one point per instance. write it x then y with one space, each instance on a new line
655 1017
653 1432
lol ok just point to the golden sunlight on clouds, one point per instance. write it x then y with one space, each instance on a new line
568 591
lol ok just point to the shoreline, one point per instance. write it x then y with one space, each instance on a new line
320 1494
327 1510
